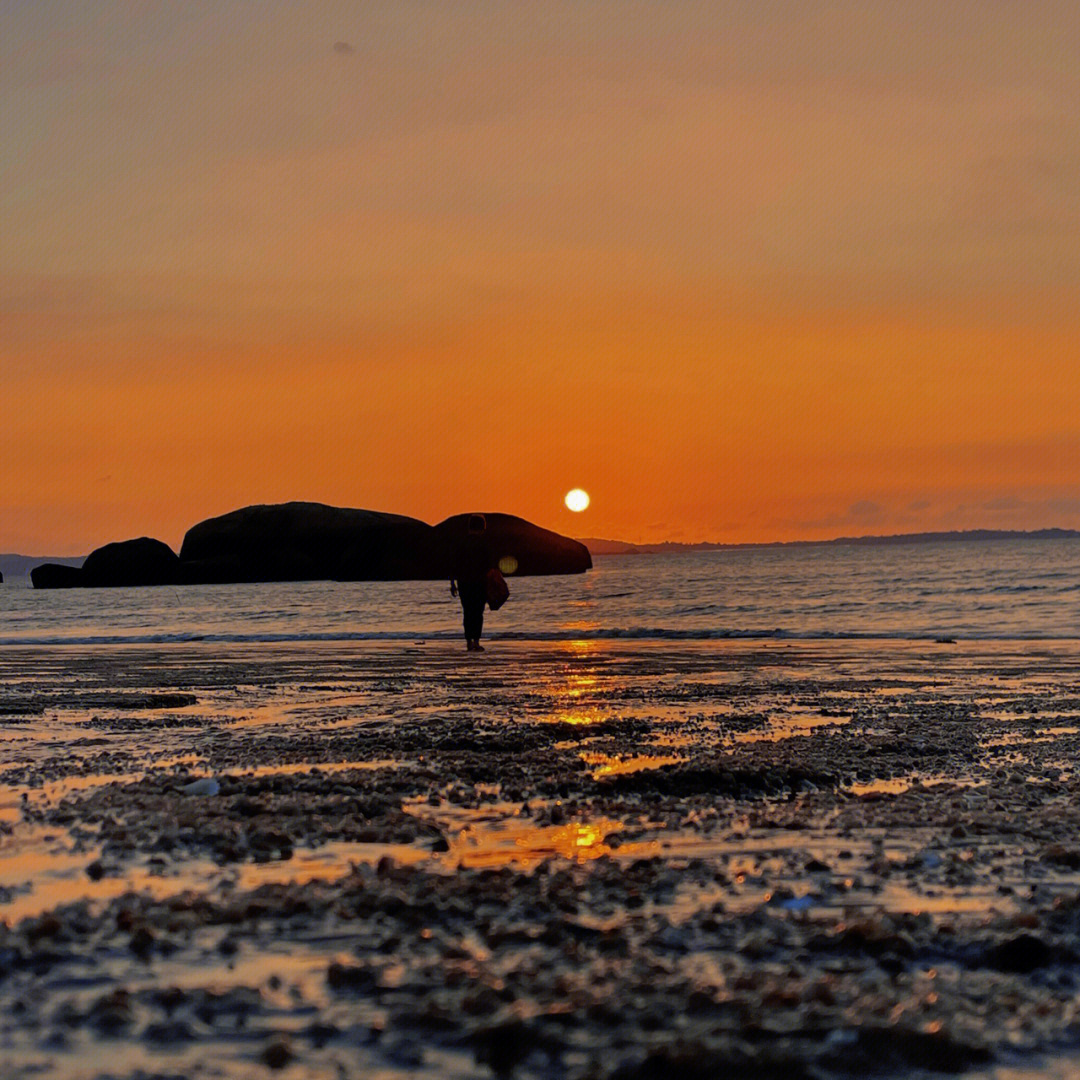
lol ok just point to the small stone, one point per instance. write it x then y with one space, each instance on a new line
206 786
1063 855
1020 955
349 977
277 1054
142 941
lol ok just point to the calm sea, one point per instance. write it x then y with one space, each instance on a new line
991 589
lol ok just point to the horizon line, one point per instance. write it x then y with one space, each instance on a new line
980 532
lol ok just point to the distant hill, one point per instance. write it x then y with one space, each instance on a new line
598 546
17 567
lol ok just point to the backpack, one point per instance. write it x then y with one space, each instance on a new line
496 588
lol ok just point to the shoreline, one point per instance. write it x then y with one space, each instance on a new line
581 859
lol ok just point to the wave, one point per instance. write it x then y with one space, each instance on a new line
634 633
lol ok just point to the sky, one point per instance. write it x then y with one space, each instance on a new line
743 271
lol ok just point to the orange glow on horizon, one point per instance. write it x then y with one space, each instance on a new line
745 289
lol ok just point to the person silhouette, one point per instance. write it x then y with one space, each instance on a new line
472 560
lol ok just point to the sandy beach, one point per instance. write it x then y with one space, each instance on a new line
576 859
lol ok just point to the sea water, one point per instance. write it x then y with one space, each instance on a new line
1001 589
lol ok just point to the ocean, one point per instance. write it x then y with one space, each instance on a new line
1003 589
687 809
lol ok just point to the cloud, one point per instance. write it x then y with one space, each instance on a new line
865 511
1006 504
861 513
1064 505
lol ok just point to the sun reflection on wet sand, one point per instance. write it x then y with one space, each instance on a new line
576 717
522 842
41 871
612 765
786 725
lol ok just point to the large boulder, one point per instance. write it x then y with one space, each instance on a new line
55 576
518 546
301 541
132 562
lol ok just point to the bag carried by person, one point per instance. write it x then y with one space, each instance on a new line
496 588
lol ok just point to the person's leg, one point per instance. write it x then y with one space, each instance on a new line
474 620
472 607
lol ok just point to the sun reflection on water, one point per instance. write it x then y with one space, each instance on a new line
580 646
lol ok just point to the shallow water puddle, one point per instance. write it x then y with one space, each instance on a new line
501 839
1036 735
13 799
40 871
575 717
308 767
898 785
895 785
500 834
791 725
618 765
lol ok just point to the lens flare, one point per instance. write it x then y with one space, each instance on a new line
577 500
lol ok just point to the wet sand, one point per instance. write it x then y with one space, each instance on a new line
588 860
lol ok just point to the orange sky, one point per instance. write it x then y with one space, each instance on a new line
742 271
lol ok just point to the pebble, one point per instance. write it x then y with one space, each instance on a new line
206 786
277 1054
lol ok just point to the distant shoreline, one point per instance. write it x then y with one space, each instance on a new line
18 566
598 546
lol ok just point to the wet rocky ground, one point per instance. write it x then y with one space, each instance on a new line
583 860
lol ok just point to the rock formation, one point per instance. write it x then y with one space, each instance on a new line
55 576
131 562
518 546
302 541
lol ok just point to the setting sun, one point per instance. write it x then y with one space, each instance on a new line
577 500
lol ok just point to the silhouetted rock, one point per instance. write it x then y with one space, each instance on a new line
310 541
132 562
301 541
532 549
55 576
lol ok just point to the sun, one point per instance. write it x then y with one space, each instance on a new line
577 500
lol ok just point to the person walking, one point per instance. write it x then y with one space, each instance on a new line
472 561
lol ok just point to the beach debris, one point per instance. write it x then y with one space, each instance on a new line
277 1053
206 786
797 903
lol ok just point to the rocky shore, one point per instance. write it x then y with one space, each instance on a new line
569 860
